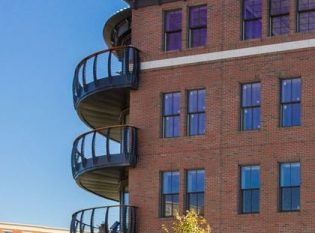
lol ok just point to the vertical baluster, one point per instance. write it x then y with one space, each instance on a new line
92 222
81 222
107 144
93 147
109 66
82 150
95 69
84 75
106 220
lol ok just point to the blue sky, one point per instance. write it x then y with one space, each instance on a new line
41 41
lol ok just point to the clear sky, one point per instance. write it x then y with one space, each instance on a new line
41 41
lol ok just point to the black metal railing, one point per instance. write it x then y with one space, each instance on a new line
114 146
107 219
107 69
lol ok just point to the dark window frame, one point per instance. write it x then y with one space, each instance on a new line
190 29
187 193
272 16
241 199
166 33
188 120
298 15
248 107
287 103
244 21
162 195
164 116
291 187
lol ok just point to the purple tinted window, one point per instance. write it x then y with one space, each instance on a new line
250 106
252 19
171 113
173 30
279 17
306 15
196 112
290 102
198 26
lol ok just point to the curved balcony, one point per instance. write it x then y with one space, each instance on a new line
107 219
101 85
100 157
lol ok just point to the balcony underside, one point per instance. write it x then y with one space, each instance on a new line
103 182
103 108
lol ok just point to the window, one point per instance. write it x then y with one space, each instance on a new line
290 186
195 190
290 102
250 189
7 231
252 23
196 112
197 26
171 114
279 17
250 106
170 193
173 30
306 15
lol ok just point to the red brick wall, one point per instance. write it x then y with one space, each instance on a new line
224 147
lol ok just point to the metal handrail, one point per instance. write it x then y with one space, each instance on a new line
127 219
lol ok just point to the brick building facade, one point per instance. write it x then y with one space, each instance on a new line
222 113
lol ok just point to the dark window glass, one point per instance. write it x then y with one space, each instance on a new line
279 17
195 190
170 193
173 30
250 106
290 181
306 15
196 112
197 26
290 102
252 20
171 114
250 189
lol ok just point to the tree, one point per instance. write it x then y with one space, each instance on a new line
189 223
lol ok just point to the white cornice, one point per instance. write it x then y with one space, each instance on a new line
31 228
228 54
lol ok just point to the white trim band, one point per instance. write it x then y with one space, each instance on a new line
31 228
235 53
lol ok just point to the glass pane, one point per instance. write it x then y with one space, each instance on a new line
175 182
296 89
168 205
255 177
193 98
295 174
168 127
307 21
201 203
246 178
253 29
246 95
202 123
295 198
255 200
285 174
191 176
173 41
306 4
287 115
296 114
201 100
175 204
256 118
168 104
167 182
286 91
255 94
193 201
247 119
280 25
173 20
176 103
176 126
198 37
200 187
193 124
279 7
247 201
286 199
198 16
252 9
